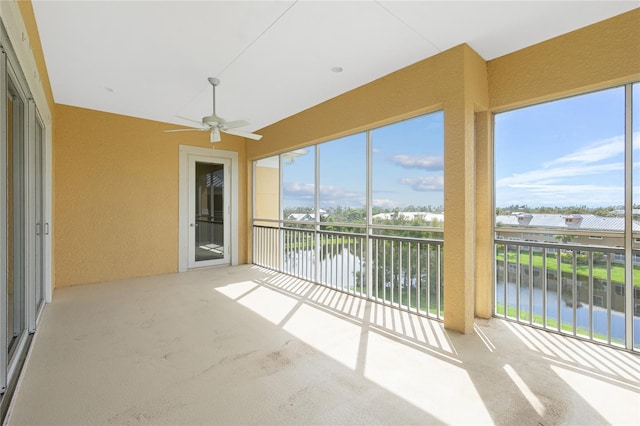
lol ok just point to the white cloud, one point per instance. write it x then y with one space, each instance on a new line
561 195
551 183
335 196
547 176
424 183
330 195
298 190
384 204
425 163
598 151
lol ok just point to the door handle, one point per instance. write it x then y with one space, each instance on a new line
191 225
37 228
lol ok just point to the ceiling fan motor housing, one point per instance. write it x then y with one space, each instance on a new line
212 120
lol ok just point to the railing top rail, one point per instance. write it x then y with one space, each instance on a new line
311 223
556 231
560 246
409 239
435 241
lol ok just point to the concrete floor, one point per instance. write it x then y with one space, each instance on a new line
241 345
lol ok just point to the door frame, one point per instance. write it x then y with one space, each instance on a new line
186 152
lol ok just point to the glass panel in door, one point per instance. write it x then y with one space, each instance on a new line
39 207
209 211
15 320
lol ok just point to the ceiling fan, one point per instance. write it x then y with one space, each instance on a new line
214 124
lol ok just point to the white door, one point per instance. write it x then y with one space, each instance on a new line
209 211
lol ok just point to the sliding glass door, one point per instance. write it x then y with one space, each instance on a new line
15 202
23 226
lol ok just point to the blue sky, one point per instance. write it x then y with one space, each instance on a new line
562 153
407 165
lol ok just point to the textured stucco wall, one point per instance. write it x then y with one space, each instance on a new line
26 10
116 195
267 193
460 191
600 55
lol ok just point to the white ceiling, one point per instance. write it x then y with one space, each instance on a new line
151 59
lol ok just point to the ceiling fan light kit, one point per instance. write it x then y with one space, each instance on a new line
214 124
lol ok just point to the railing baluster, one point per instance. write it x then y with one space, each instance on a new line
341 254
559 289
427 300
334 262
364 277
271 247
518 272
530 285
574 291
384 271
439 281
401 274
506 279
296 251
544 287
418 277
376 268
609 298
410 281
348 263
590 295
393 273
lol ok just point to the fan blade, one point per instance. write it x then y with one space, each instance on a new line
199 123
243 134
185 130
234 124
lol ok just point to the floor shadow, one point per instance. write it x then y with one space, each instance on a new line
520 375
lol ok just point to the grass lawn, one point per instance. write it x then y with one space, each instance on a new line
599 272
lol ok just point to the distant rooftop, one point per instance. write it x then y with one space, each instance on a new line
564 221
426 216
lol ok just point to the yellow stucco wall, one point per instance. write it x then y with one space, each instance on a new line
26 10
267 193
116 195
600 55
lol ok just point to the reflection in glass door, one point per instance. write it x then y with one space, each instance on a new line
209 212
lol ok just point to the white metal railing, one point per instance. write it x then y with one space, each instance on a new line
571 289
402 272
